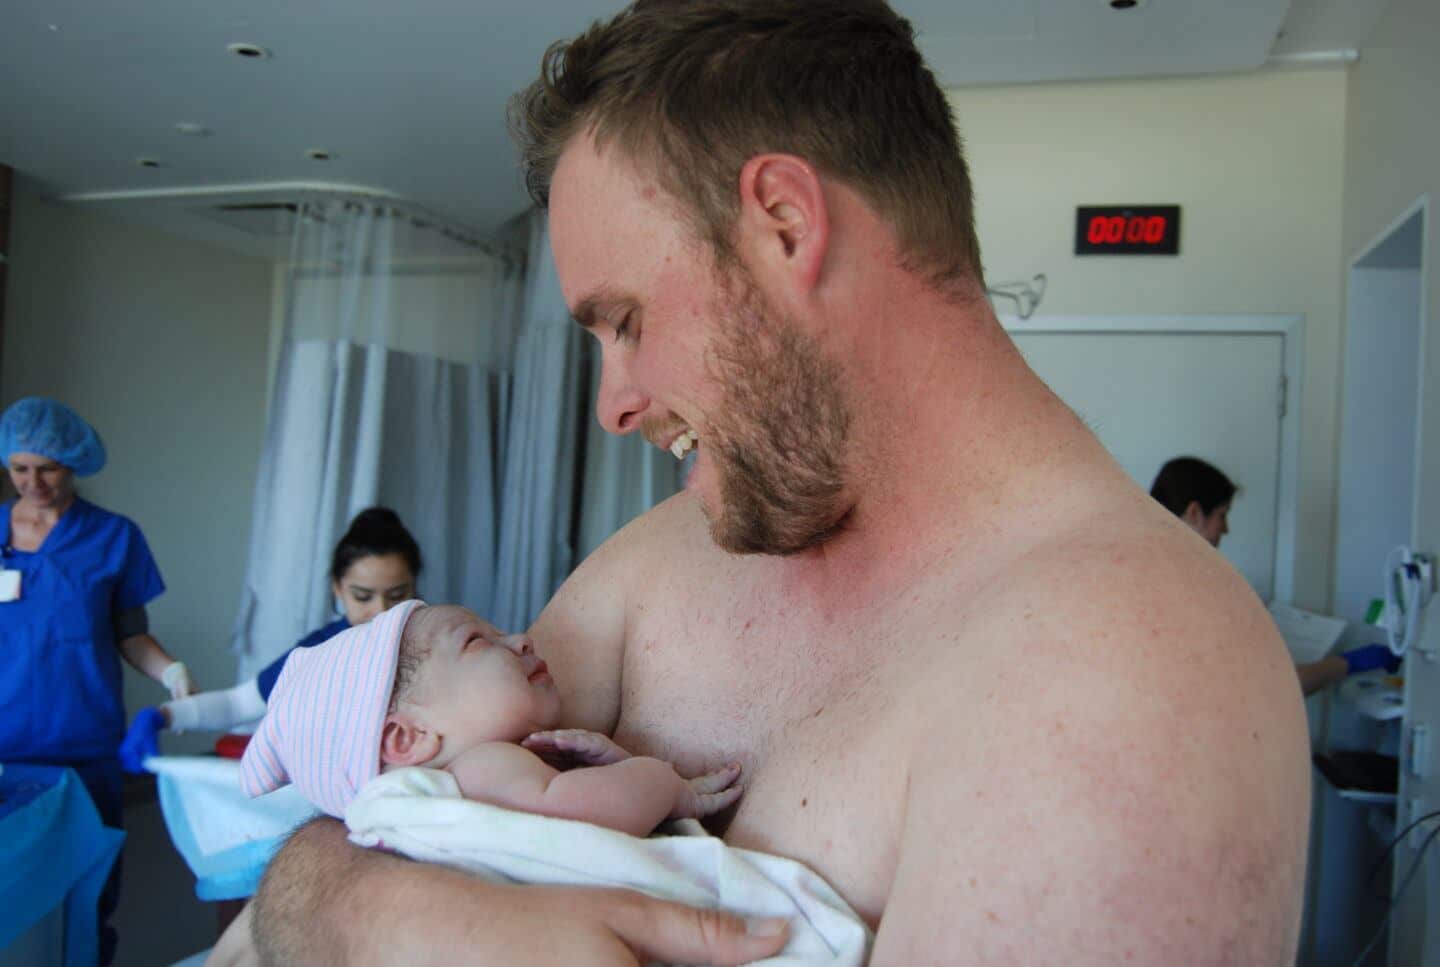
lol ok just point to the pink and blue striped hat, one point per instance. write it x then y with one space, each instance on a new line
323 721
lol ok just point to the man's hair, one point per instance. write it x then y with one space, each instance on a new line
692 89
1189 478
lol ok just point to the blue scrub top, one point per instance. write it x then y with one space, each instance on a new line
265 681
60 679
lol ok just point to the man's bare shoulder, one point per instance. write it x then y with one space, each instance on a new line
1141 615
582 631
672 529
1114 764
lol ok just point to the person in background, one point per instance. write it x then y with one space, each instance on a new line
1200 495
74 583
373 568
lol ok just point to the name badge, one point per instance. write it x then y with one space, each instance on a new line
9 586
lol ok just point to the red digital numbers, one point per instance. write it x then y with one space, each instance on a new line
1134 229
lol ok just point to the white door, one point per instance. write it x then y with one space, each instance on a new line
1155 395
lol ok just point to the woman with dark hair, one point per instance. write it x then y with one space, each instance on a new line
373 568
1197 493
1200 495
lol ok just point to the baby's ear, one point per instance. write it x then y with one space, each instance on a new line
405 741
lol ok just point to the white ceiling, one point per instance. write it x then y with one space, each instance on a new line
410 96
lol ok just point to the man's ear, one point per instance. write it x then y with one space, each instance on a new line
406 741
1193 515
784 223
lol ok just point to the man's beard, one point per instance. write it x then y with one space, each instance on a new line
778 440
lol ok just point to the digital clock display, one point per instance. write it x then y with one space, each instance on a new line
1127 230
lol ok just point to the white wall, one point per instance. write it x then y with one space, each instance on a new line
1255 160
1392 144
160 343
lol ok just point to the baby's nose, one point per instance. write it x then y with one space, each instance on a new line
519 644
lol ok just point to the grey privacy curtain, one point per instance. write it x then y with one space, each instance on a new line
391 387
422 373
568 484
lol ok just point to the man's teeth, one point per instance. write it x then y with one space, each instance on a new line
683 444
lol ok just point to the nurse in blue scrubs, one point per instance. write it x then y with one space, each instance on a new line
74 583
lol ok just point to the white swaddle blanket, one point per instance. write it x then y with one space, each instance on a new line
421 814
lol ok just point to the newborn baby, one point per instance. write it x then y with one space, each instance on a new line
436 686
439 689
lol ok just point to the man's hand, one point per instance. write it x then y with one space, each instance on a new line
325 900
566 748
709 793
657 930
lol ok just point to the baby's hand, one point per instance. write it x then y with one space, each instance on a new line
574 747
709 793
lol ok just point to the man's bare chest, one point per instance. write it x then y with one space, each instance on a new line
810 709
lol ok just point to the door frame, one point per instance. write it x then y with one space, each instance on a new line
1291 330
1420 206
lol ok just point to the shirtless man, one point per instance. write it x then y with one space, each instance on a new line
1008 705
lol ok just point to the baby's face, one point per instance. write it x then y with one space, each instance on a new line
478 684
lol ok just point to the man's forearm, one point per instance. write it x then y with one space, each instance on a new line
289 922
326 901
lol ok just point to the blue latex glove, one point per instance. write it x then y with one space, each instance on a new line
1371 656
143 739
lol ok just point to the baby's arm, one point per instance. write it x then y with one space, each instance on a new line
633 796
567 748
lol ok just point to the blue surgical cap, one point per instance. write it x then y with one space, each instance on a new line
53 430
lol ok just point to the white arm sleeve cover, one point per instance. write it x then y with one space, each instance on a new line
219 711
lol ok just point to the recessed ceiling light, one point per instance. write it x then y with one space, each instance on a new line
148 162
249 51
320 154
193 129
1126 4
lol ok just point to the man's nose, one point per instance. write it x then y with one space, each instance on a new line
619 403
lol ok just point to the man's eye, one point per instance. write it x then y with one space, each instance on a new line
362 598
